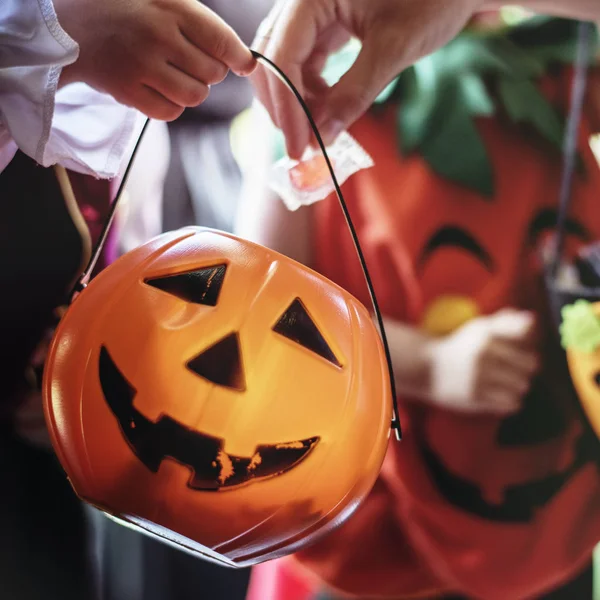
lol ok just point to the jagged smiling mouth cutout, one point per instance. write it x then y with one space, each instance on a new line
212 468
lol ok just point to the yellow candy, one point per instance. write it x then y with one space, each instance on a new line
447 313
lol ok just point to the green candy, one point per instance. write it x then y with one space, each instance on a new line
580 329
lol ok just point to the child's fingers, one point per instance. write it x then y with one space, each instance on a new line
514 384
153 104
291 43
178 87
211 34
197 64
261 76
507 354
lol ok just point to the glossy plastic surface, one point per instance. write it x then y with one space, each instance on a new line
239 421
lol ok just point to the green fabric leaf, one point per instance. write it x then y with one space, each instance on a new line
524 103
476 96
419 101
522 63
436 119
456 151
469 53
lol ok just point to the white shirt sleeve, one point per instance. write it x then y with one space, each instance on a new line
76 126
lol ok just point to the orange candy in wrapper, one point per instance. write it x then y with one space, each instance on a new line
304 182
310 175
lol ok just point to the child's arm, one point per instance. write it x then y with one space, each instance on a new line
485 366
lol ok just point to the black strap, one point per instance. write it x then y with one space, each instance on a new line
87 273
582 63
84 279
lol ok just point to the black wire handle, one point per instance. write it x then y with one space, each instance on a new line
582 63
87 274
85 277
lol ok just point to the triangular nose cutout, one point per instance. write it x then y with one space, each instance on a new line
221 364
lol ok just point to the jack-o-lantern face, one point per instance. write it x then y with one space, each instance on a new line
468 256
200 363
221 364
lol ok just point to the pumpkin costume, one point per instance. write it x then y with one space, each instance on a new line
483 506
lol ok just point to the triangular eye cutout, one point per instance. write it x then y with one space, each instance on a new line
221 364
201 286
295 324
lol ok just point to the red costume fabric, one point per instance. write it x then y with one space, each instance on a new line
488 507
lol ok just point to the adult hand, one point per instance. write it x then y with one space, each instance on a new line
299 35
158 56
486 365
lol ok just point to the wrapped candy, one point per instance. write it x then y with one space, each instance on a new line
304 182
